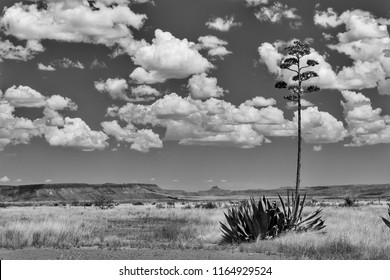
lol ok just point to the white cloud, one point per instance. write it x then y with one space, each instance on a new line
222 24
67 63
203 87
141 140
256 2
328 18
214 45
116 88
144 93
9 51
304 103
48 180
58 103
167 58
276 13
74 21
97 64
362 74
24 96
365 124
4 179
260 101
43 67
317 148
76 133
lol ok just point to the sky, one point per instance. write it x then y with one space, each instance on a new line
181 93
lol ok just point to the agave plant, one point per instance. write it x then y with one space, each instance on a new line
387 222
262 220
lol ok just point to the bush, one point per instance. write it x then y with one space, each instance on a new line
349 202
137 203
103 202
262 220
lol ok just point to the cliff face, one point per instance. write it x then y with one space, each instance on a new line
80 192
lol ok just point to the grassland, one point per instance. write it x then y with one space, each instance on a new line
351 232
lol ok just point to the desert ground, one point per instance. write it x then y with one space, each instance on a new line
155 231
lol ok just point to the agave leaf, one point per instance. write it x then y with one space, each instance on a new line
387 222
282 203
302 205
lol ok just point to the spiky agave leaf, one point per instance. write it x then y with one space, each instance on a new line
387 222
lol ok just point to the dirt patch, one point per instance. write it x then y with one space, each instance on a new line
130 254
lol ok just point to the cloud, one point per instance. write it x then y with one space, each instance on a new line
366 125
141 140
222 24
97 64
366 41
256 2
276 13
4 179
9 51
24 96
260 101
317 148
294 105
167 58
214 45
77 134
203 87
45 68
57 130
116 88
143 93
74 21
328 18
67 63
362 74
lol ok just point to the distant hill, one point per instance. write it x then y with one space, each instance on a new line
152 192
82 192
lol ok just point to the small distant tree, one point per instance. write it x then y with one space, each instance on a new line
103 202
293 62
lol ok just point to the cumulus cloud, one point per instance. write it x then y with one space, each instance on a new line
4 179
116 88
76 133
366 41
362 74
67 63
167 58
304 103
24 96
74 21
9 51
214 45
260 101
43 67
317 148
256 2
276 13
141 140
222 24
56 130
366 125
144 93
97 64
203 87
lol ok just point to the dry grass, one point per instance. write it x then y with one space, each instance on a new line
351 232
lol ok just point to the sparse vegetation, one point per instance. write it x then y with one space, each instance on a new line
349 202
103 202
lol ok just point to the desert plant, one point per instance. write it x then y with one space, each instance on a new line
103 202
262 220
349 202
386 221
293 63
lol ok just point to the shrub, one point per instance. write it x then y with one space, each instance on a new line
103 202
387 222
262 220
349 202
137 203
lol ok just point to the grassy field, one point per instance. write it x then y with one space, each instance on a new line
351 232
